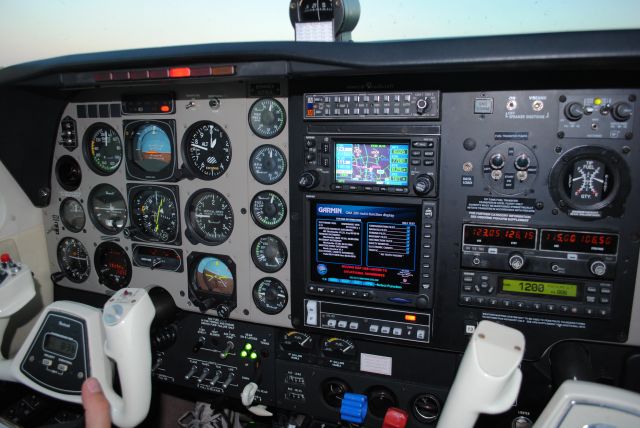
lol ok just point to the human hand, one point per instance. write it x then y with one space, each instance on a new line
96 407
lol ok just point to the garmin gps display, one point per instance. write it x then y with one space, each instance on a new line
365 245
381 164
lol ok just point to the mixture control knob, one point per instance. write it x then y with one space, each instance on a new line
516 261
496 161
308 180
574 111
423 184
522 162
228 380
598 267
423 105
621 111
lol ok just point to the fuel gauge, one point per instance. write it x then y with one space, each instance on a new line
296 341
338 347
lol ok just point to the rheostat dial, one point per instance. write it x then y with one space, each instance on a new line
207 150
107 209
269 253
270 295
73 260
112 266
72 215
268 164
267 118
155 213
210 217
103 148
268 209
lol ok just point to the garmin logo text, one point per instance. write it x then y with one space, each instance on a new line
329 210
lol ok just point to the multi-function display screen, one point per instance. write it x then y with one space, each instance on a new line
539 288
516 237
579 242
60 345
372 163
372 246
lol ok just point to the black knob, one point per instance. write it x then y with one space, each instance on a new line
621 111
308 180
380 399
223 311
516 261
423 105
598 267
522 162
423 185
205 305
422 302
574 111
497 161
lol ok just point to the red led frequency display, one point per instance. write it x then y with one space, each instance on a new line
579 242
516 237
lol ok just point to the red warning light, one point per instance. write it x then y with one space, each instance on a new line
410 317
165 109
178 72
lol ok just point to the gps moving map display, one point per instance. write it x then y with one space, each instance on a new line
364 245
367 163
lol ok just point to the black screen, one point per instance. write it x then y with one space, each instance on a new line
371 246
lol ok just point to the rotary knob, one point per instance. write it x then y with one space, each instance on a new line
621 111
598 267
522 162
574 111
516 261
496 161
308 180
423 105
423 185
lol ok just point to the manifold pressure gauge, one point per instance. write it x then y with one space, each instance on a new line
267 118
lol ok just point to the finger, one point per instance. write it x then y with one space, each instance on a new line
96 406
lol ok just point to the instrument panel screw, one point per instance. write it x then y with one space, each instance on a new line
628 135
560 134
562 98
626 150
558 149
632 97
539 205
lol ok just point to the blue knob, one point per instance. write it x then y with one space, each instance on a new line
354 408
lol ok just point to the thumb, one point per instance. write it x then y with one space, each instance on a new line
96 406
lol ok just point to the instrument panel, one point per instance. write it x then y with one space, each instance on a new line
186 190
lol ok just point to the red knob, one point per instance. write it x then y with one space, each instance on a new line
395 418
5 258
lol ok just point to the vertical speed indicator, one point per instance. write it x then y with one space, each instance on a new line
267 118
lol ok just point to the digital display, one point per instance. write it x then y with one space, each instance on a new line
579 242
369 163
551 289
372 246
516 237
61 346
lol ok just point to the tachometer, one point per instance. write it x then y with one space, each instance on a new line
112 265
267 118
102 148
268 209
72 215
268 164
154 212
73 260
207 150
269 253
210 217
107 209
270 295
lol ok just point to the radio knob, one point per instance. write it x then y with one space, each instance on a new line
308 180
496 161
622 111
516 261
598 267
422 302
423 185
574 111
423 105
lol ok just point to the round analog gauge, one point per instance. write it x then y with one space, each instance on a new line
267 118
73 260
152 148
212 275
103 148
155 213
269 253
207 150
268 209
72 215
112 265
270 296
210 217
68 173
107 209
268 164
